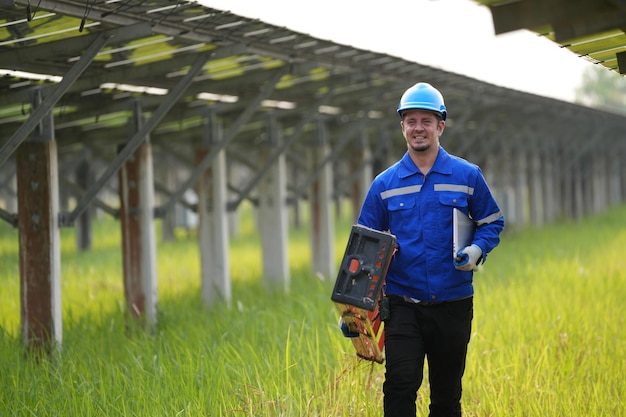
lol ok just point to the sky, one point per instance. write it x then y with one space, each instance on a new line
454 35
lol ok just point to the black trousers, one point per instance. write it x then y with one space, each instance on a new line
438 333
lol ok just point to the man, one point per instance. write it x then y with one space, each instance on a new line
428 290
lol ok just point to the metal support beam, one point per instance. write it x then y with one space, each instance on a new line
165 191
77 9
228 136
10 218
307 118
74 45
357 172
78 192
138 138
589 145
328 159
57 92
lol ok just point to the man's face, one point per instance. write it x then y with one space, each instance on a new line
421 129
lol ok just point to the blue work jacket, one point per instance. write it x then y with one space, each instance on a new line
417 209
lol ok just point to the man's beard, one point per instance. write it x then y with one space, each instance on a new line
420 148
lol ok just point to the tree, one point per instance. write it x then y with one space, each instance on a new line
603 89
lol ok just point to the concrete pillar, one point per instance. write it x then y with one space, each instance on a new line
535 190
360 164
168 175
233 219
614 179
136 188
322 221
85 177
568 180
39 239
521 189
599 183
578 188
391 154
558 192
549 189
213 223
295 171
272 214
503 186
622 173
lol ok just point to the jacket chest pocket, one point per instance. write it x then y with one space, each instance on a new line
403 213
454 200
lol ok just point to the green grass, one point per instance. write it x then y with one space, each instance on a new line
548 336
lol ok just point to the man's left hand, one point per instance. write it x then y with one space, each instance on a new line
467 258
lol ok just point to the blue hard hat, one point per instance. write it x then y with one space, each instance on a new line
422 96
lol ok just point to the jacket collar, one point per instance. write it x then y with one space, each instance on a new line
442 164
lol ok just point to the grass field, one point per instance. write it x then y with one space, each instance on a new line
548 339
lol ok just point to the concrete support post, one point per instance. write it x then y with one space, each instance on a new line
167 175
549 190
489 172
233 218
361 165
272 214
535 188
567 174
578 189
615 179
567 195
136 181
622 174
85 177
213 223
504 190
599 183
322 221
558 191
390 156
582 187
521 190
39 240
295 170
